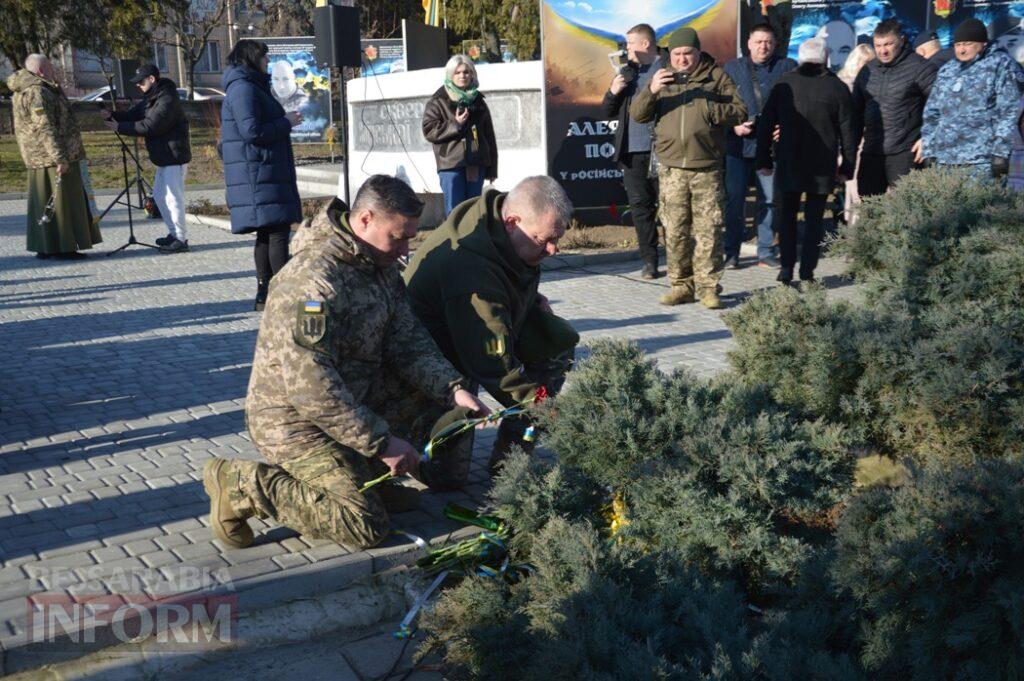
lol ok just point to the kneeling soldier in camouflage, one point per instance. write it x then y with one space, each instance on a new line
343 378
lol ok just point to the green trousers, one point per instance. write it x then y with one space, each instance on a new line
70 225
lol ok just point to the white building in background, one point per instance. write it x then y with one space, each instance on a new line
385 133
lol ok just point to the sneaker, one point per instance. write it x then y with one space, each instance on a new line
771 262
176 246
732 262
677 295
165 240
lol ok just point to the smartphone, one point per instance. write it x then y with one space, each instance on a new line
679 78
618 60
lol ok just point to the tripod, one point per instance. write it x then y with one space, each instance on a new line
137 182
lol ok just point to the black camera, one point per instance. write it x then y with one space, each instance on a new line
679 78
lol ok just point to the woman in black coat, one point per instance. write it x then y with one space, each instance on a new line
814 113
457 122
259 166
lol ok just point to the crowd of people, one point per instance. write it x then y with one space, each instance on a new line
692 137
361 361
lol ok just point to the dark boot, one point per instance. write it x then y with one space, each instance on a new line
785 275
261 295
510 435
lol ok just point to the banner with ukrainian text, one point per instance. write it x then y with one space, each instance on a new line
577 38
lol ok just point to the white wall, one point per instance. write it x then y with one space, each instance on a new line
513 91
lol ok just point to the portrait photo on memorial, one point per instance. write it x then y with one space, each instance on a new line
300 85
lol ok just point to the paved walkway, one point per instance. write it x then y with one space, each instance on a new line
122 375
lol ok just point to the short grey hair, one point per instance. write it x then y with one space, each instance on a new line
34 62
813 51
388 195
454 62
537 195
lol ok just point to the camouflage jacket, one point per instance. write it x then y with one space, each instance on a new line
971 114
334 322
44 124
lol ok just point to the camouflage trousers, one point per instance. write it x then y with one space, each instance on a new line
317 493
691 211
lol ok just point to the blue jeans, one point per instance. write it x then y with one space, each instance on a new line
739 172
457 188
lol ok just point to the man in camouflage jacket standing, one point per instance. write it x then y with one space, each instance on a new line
343 377
693 102
59 220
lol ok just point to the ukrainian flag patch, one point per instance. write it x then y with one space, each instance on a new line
313 307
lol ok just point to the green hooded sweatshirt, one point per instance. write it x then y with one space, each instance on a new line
691 118
474 295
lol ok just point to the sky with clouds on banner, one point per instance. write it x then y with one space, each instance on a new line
616 16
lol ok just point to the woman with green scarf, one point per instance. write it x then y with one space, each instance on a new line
457 122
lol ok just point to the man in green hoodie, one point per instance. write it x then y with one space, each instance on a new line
692 102
473 283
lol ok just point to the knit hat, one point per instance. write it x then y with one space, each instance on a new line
813 51
925 37
683 37
970 31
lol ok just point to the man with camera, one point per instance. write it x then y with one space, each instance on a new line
633 140
754 76
692 102
161 120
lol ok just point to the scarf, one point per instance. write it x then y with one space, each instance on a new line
458 95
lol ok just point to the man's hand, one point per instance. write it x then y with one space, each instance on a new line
464 398
618 85
918 158
294 117
744 129
461 115
62 168
764 171
400 456
111 124
661 80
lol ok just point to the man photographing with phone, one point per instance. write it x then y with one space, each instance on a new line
161 120
692 102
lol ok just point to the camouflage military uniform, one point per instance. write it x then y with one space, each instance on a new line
48 136
971 114
691 211
341 364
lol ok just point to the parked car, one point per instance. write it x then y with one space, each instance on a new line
199 94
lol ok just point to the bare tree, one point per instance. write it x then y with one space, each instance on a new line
188 26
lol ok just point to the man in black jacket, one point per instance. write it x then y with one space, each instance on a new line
633 142
160 118
888 100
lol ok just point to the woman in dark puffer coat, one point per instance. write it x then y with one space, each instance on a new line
259 167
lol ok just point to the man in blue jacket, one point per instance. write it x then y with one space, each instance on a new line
971 116
754 76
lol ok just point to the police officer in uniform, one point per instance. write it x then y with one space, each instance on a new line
474 285
346 384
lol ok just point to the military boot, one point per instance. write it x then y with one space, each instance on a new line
710 300
677 295
510 435
227 522
397 498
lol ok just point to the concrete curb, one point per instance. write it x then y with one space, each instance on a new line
359 605
313 582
